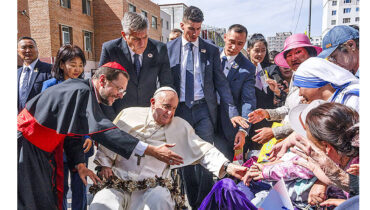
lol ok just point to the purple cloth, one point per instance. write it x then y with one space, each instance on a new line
225 195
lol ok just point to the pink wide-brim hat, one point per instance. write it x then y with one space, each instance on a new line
294 41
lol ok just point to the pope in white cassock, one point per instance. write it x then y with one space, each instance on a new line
156 125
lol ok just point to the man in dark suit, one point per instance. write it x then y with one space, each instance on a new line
195 66
33 72
145 60
239 72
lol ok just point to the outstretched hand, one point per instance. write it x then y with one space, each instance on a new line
257 116
254 173
263 135
164 154
240 121
239 140
236 171
84 172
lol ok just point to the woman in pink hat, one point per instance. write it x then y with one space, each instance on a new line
297 49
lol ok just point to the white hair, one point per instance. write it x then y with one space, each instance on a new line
164 88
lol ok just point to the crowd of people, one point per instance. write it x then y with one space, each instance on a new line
167 119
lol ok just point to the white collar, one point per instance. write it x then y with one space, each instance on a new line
195 43
229 58
32 65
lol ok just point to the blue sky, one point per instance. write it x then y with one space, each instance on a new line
263 16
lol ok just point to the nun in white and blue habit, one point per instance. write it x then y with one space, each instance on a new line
317 72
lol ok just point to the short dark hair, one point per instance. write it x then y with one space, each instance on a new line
110 73
337 125
176 30
26 37
238 29
193 14
273 54
66 53
257 37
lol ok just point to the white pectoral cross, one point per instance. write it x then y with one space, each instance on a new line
139 158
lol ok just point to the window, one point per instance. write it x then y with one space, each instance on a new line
144 13
154 22
347 1
65 3
87 41
334 3
357 19
167 25
66 35
334 12
131 8
346 20
162 22
333 22
357 9
86 7
346 10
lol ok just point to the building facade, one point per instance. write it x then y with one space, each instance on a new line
277 42
166 26
340 12
85 23
176 12
316 40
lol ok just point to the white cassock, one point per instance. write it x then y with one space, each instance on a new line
139 122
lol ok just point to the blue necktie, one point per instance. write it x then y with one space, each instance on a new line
137 64
189 82
24 88
223 62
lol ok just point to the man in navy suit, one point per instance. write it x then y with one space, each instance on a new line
240 73
33 72
196 69
145 60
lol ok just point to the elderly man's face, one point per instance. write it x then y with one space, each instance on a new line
27 50
347 58
110 91
296 56
137 40
164 106
191 30
234 42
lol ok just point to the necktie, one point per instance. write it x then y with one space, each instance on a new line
24 88
223 62
137 64
189 82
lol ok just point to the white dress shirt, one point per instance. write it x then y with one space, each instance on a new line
228 63
23 73
198 80
132 53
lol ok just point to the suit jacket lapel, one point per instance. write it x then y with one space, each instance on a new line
126 53
177 56
234 68
202 55
148 56
34 75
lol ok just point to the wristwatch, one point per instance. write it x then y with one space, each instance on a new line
225 165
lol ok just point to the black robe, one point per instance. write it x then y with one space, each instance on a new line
67 110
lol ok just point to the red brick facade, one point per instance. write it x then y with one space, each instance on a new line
46 17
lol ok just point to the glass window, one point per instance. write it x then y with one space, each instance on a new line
333 22
154 22
131 8
357 9
334 3
347 1
357 19
66 35
87 41
334 12
346 20
346 10
86 7
167 25
65 3
144 13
